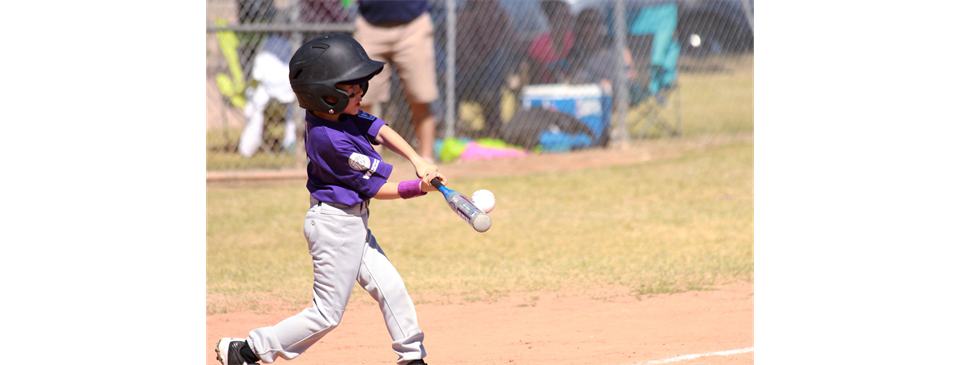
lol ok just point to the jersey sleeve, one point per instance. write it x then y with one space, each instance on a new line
362 172
370 125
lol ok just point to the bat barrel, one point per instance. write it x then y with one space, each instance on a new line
481 222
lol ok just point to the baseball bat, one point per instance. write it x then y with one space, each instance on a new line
477 219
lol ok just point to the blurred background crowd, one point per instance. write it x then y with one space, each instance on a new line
512 76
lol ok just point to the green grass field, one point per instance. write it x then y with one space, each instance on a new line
663 226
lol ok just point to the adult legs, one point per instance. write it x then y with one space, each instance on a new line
424 127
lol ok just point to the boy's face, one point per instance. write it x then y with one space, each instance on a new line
356 94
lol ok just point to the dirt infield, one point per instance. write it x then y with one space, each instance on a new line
541 328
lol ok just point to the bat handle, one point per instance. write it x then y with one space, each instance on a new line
436 183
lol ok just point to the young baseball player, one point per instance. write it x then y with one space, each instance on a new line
329 74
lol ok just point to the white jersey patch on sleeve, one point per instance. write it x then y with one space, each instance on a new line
372 169
359 162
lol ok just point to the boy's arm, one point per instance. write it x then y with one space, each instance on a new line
391 190
394 142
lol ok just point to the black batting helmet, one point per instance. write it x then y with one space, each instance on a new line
325 61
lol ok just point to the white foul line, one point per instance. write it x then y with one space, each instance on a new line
694 356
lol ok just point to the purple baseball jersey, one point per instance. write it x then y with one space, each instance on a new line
343 167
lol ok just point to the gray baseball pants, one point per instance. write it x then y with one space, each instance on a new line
343 251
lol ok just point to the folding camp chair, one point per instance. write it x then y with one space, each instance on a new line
657 103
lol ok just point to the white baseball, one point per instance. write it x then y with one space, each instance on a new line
484 200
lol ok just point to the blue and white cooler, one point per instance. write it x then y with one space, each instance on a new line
588 103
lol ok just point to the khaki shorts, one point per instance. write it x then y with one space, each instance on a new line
409 49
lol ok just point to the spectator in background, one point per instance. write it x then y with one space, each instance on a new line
593 57
255 11
271 71
548 51
323 11
485 55
268 65
401 33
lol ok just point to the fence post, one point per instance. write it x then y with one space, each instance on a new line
747 12
449 117
296 40
620 95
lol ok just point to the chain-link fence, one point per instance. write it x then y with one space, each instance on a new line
540 75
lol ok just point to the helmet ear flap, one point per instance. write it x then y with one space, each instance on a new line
343 99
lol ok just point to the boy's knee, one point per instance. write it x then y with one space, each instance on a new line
325 319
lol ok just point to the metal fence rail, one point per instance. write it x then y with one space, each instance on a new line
613 71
